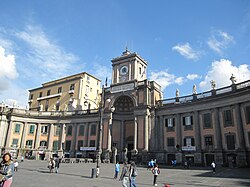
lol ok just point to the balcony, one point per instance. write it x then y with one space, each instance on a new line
188 148
49 96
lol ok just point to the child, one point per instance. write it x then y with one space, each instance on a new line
117 169
156 172
15 165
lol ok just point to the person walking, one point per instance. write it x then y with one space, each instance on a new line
156 172
125 175
7 170
16 165
117 169
133 174
51 165
213 166
57 164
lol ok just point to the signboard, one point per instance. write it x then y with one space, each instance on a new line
122 88
188 148
88 148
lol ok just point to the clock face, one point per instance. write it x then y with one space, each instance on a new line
124 70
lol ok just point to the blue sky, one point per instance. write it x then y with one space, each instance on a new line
184 42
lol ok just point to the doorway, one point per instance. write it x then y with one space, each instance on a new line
209 159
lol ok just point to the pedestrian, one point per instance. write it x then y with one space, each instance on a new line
213 166
152 163
15 165
186 165
22 158
133 174
117 169
51 165
156 172
7 170
57 164
125 175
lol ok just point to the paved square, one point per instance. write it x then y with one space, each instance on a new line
36 174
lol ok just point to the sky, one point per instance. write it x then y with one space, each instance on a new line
184 42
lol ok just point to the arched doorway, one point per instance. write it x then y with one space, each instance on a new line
123 127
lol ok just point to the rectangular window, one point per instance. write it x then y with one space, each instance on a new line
228 118
15 142
59 90
68 145
31 96
170 142
207 121
248 114
55 145
44 129
29 142
72 87
230 142
189 142
139 70
188 120
92 143
81 130
79 144
208 140
170 122
69 131
40 94
48 92
32 129
93 130
57 130
17 128
43 143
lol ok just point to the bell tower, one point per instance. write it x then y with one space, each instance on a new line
128 67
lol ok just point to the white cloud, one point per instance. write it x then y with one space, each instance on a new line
165 79
219 41
186 51
7 69
221 72
45 54
193 76
101 72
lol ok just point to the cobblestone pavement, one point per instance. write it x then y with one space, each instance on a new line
36 174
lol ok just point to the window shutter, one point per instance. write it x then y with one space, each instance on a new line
191 119
173 122
183 121
192 142
185 143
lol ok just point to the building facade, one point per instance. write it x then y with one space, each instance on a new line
134 122
75 92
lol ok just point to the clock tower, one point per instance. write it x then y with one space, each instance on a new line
128 67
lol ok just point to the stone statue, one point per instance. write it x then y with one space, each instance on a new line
177 93
233 79
213 84
194 89
41 107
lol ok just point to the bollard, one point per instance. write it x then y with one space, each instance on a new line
93 173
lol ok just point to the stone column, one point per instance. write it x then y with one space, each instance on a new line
146 133
87 136
197 131
24 132
8 138
135 134
38 134
239 124
217 128
122 135
62 136
109 132
179 131
73 142
51 137
161 134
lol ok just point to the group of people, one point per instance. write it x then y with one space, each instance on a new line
54 164
129 173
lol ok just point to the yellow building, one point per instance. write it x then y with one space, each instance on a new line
76 92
